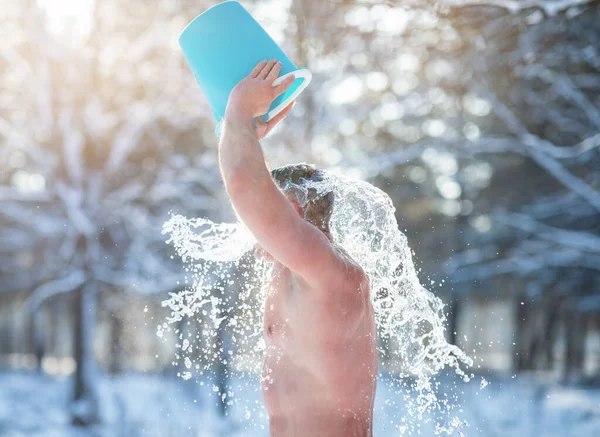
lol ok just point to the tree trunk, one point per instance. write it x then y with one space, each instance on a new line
580 346
520 323
116 362
458 245
550 333
85 406
575 344
299 11
38 337
453 319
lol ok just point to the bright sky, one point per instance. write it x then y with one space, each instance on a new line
75 16
71 16
272 15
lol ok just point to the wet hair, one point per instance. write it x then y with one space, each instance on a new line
300 180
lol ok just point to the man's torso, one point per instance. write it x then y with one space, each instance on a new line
320 366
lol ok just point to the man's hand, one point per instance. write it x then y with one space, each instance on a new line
253 96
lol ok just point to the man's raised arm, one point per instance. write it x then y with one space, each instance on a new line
258 202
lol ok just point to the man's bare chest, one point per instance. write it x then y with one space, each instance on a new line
286 304
279 292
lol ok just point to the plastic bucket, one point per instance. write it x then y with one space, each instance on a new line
222 46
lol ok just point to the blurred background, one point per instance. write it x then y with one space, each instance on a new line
480 118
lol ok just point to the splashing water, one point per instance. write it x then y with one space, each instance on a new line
229 287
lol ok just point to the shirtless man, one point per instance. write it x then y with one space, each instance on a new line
320 368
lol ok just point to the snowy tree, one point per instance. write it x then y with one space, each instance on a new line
480 119
539 76
103 133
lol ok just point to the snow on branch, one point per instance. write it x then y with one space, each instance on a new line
471 257
536 147
489 144
12 194
580 240
153 38
550 8
159 284
65 284
502 145
20 213
569 152
36 152
525 264
23 280
553 248
72 199
568 179
140 117
376 164
564 86
73 145
564 204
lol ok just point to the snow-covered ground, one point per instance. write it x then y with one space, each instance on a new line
160 406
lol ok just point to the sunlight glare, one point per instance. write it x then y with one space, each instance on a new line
74 16
347 91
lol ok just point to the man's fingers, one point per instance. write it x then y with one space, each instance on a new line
267 69
283 86
274 73
258 69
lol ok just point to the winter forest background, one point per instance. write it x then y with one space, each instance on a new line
480 118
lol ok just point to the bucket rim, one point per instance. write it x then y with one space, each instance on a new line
301 73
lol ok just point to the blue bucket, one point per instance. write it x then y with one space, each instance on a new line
222 46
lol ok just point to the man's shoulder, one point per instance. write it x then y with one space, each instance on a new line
347 258
339 272
355 274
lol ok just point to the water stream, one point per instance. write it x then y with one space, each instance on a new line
226 286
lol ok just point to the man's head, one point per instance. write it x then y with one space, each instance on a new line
297 181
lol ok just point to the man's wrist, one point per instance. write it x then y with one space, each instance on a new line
238 111
238 119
